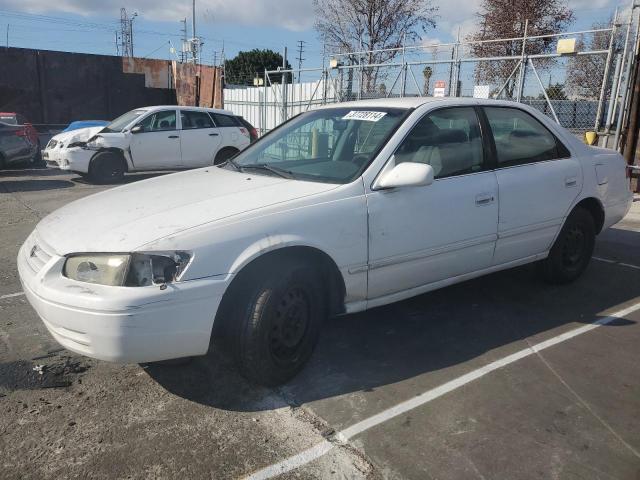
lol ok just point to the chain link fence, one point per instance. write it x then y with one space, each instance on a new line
576 78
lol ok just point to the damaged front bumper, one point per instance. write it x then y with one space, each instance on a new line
119 324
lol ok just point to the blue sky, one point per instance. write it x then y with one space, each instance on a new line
89 25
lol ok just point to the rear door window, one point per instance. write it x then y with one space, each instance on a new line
520 138
224 120
194 120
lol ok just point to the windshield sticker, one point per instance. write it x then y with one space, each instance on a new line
364 115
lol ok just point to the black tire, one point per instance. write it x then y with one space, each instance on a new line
106 167
572 250
273 317
225 154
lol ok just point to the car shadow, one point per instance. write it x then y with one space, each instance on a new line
397 342
34 185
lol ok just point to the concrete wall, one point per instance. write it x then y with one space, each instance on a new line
58 87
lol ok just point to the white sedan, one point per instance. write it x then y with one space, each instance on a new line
341 209
159 138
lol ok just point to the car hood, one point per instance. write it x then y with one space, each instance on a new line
79 135
124 219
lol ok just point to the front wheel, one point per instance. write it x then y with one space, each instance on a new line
106 167
572 250
276 313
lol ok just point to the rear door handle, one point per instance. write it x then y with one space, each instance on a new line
173 136
484 199
213 134
570 181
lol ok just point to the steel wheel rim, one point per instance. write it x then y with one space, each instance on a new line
289 327
574 247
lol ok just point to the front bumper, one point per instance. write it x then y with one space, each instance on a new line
75 159
119 324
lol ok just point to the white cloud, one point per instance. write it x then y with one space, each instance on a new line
290 14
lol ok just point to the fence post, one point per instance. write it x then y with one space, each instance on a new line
283 79
523 62
403 87
607 67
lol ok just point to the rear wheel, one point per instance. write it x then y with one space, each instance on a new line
106 167
572 250
224 155
273 318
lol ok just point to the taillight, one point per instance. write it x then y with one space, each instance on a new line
21 132
254 133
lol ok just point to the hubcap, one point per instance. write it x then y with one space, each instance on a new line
290 324
574 247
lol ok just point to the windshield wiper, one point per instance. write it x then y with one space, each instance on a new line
263 166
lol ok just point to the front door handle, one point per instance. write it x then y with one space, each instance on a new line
484 199
173 136
213 134
570 181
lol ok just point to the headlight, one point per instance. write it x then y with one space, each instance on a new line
100 269
127 270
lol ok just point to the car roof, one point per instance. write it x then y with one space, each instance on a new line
186 107
414 102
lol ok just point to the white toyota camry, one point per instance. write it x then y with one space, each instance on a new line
340 209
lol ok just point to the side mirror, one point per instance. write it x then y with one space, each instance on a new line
406 174
137 129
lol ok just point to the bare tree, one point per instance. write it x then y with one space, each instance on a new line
372 25
506 19
585 72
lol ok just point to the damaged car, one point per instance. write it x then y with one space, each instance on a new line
159 138
55 152
339 210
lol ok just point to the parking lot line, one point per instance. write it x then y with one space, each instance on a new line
345 435
11 295
615 262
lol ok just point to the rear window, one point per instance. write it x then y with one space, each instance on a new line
520 138
225 120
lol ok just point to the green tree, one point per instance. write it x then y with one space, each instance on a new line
244 67
554 92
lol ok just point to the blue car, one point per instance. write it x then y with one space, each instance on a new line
85 124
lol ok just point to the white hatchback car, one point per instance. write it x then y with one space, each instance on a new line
54 154
343 208
158 138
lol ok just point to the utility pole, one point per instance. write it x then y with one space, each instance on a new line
185 40
300 59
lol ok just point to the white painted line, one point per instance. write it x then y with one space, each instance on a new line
622 264
605 260
11 295
345 435
629 265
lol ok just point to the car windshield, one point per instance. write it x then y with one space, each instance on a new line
122 121
332 145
